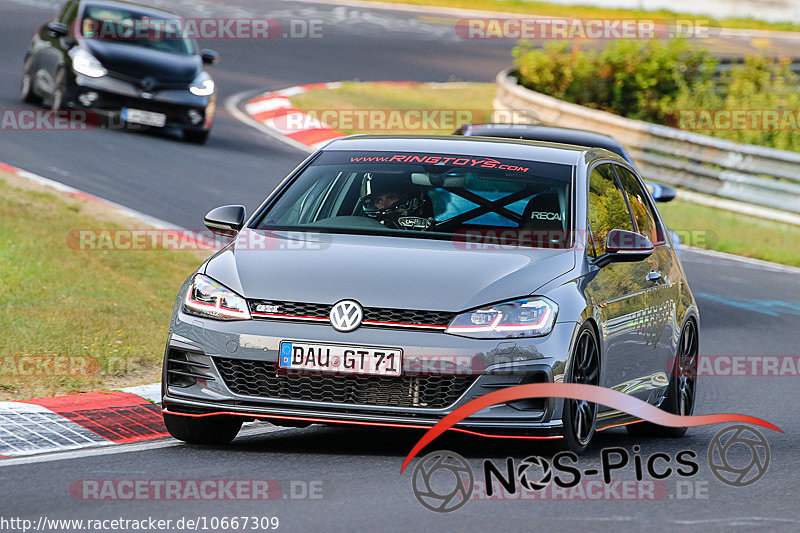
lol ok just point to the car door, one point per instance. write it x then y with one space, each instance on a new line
618 291
662 293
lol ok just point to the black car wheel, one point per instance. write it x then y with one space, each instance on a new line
26 87
220 429
682 386
580 416
194 136
59 89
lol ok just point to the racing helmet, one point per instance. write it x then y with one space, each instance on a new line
394 201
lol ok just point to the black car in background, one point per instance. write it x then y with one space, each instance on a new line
84 59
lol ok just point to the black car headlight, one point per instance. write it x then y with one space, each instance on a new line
526 317
85 63
210 299
202 85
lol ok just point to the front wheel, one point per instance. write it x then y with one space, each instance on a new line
217 429
26 87
580 416
59 90
682 385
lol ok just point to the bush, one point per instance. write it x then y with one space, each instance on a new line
655 80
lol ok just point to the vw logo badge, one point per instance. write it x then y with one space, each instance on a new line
346 315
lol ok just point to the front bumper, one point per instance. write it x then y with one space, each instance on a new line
183 109
483 365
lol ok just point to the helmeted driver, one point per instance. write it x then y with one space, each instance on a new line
394 201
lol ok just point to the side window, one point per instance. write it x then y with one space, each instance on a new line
640 209
607 207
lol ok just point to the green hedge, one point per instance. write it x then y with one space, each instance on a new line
669 83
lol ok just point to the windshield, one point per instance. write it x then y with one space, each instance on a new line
428 196
135 28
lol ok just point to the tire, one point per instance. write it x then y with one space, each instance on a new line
26 86
196 137
59 91
580 417
682 387
219 429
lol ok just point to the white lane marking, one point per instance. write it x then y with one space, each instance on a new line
126 448
232 105
268 104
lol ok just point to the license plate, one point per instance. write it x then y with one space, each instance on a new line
343 359
147 118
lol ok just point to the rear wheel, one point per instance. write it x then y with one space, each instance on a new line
26 87
218 429
580 416
682 385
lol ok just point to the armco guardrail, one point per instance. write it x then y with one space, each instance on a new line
725 169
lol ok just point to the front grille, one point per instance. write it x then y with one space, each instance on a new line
373 316
160 85
260 379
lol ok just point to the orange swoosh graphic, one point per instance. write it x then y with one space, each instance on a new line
576 391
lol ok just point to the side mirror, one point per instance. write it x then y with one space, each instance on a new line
209 57
225 220
59 29
661 193
625 246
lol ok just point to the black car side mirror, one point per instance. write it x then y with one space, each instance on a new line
625 246
225 220
209 57
661 193
59 29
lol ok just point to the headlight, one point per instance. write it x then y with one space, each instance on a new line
202 85
85 63
210 299
528 317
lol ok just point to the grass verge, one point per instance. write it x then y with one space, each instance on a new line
469 102
698 225
525 7
76 320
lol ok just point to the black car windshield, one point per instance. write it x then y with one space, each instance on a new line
428 196
135 29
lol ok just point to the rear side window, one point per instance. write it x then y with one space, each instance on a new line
607 207
640 208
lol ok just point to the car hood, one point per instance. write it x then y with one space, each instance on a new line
381 271
140 62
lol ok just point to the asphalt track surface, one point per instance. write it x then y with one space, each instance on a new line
745 310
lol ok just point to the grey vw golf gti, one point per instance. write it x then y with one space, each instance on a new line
389 280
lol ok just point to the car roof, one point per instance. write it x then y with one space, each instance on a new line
548 134
546 152
129 5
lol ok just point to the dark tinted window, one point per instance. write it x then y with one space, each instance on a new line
640 208
607 207
427 195
125 26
